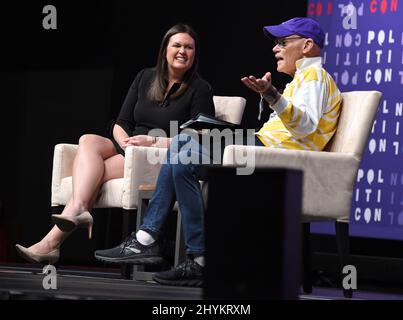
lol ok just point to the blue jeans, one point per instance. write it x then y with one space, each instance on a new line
177 180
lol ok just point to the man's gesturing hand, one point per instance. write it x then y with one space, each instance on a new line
261 85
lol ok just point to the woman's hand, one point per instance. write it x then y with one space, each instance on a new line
139 140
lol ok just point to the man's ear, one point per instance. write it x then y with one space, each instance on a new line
308 45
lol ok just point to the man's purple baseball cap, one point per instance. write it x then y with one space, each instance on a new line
305 27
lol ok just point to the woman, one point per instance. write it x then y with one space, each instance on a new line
172 91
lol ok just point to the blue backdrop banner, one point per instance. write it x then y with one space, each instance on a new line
364 51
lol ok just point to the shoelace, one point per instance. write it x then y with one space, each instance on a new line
183 267
129 239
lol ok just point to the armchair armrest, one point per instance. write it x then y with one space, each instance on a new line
63 158
328 176
142 166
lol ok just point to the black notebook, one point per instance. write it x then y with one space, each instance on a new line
205 121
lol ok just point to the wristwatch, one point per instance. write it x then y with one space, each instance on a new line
271 96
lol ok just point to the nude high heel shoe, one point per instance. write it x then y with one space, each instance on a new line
69 223
50 258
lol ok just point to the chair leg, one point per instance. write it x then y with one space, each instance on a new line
127 226
128 222
306 258
343 249
139 272
180 254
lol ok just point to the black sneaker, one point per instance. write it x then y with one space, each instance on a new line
131 251
188 273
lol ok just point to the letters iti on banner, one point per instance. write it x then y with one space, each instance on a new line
364 51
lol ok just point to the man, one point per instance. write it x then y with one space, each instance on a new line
305 117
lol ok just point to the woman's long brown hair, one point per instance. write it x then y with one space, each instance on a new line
159 84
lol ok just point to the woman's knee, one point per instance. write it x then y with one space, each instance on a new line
88 139
97 144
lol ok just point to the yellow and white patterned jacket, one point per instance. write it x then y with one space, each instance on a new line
306 115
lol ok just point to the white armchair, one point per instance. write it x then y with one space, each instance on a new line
116 193
122 193
329 175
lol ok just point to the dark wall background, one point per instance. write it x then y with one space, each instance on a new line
59 84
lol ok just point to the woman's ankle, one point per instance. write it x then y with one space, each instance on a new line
48 245
74 211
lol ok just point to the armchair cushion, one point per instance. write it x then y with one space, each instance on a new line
229 108
328 177
355 122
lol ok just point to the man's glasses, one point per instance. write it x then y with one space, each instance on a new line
282 42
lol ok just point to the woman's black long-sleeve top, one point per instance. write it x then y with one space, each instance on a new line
139 114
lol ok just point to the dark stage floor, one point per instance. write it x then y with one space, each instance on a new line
25 283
